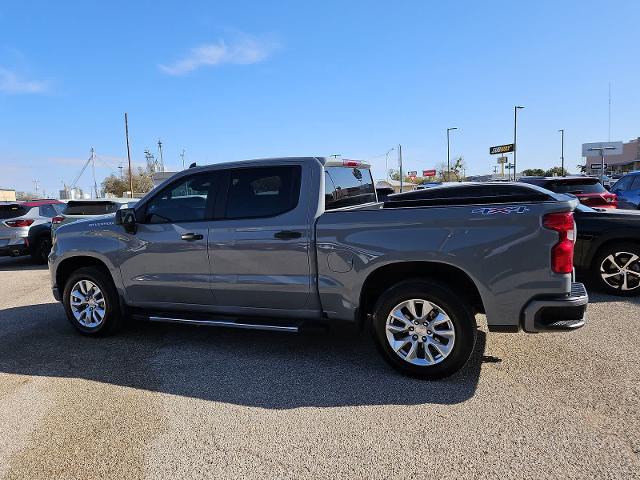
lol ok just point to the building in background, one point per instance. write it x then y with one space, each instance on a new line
74 193
7 195
627 161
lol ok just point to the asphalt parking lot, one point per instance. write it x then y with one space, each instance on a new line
168 401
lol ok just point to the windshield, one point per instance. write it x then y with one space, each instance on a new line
12 211
346 187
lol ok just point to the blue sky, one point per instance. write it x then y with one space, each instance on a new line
245 79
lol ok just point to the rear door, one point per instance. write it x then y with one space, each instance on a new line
166 262
259 248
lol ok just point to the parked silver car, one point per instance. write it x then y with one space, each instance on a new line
16 218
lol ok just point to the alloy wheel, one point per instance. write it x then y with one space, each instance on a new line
420 332
621 271
88 304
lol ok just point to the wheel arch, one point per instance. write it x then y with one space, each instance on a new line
69 265
388 275
608 242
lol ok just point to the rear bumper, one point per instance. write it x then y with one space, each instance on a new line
18 246
555 314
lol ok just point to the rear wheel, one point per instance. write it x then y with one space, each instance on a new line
41 250
616 269
91 302
423 329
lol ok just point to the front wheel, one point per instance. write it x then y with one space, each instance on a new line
423 329
616 269
91 302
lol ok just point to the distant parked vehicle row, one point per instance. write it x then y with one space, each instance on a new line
589 190
17 218
26 227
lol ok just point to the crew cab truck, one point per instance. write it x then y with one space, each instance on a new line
283 244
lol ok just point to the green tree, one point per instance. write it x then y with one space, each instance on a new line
142 183
556 172
533 172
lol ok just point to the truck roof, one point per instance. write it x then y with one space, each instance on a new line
325 161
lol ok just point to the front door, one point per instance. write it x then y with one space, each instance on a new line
166 262
259 248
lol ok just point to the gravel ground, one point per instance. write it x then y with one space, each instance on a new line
168 401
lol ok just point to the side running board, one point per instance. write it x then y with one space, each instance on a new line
227 323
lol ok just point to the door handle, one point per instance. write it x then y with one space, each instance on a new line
190 237
287 235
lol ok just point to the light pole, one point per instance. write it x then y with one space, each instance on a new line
400 164
562 150
449 154
515 137
386 161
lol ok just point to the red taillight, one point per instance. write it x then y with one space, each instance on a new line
18 223
562 252
611 198
56 220
351 163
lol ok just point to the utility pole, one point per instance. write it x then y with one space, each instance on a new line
609 139
515 137
120 167
93 167
400 164
182 157
126 132
562 150
160 152
448 154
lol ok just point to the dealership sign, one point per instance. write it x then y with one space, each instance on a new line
428 173
601 149
499 149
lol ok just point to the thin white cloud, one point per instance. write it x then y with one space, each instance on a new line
12 84
243 51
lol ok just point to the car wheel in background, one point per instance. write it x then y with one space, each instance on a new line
41 250
91 302
423 329
616 269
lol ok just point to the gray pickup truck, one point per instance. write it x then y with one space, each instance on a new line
289 243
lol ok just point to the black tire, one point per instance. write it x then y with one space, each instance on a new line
621 253
459 312
41 250
113 318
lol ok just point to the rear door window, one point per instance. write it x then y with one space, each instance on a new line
12 211
47 211
262 191
344 187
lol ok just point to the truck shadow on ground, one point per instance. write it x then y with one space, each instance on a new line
253 368
12 264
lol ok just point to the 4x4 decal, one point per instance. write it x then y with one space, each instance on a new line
500 210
